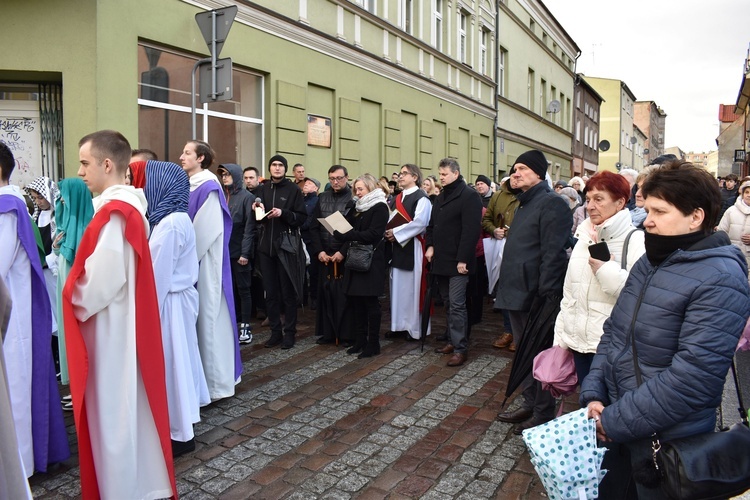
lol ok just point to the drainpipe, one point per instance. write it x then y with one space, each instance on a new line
497 85
573 139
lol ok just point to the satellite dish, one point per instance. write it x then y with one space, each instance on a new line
604 145
633 140
553 106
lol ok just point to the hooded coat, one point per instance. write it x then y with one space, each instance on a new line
736 222
240 203
687 315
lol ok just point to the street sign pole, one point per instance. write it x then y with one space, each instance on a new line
214 26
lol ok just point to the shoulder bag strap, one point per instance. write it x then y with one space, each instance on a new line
625 248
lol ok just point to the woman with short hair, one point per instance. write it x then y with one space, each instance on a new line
592 286
662 362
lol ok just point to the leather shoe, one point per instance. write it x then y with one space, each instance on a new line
443 338
503 341
457 359
532 422
275 340
399 334
512 347
516 416
446 349
323 341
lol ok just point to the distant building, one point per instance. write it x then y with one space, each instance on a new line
731 141
712 162
586 116
742 155
651 119
700 159
616 123
675 150
638 148
536 67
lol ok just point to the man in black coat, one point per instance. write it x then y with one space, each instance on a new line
241 245
534 265
324 249
451 241
282 202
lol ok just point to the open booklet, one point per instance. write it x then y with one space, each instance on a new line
336 222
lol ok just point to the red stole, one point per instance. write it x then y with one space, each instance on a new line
420 237
148 340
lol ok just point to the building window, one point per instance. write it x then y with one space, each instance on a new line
437 27
370 6
578 99
578 130
406 15
531 94
234 127
462 36
502 61
543 95
586 135
483 51
586 108
532 26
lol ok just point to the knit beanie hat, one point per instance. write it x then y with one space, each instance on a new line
535 160
281 159
483 178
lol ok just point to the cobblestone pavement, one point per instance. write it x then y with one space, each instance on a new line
314 422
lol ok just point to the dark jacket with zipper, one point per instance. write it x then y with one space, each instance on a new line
454 225
288 197
687 315
534 259
240 203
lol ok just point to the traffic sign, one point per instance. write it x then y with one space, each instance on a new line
218 32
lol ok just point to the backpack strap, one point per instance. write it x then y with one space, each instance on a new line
625 248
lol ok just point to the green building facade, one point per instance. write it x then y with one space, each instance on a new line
367 84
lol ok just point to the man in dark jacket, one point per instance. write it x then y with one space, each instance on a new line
241 249
284 208
324 248
310 190
451 243
534 265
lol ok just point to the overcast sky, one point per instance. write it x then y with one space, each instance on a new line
686 55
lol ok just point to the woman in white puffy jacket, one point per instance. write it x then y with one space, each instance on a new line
592 286
736 221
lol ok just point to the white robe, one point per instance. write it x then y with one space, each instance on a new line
405 285
172 244
13 482
15 270
124 440
215 330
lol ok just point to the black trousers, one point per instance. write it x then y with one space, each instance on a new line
280 296
242 278
367 316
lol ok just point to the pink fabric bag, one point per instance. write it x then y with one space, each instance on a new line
555 369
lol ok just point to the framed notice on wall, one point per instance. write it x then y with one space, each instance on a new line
318 131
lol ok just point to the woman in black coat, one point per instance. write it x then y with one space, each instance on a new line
363 288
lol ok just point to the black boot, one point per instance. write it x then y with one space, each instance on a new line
275 339
288 341
373 336
356 348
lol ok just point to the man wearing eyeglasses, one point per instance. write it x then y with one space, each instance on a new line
241 248
325 249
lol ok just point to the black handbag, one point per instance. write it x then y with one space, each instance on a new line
710 466
359 257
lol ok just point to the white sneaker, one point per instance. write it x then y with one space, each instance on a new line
246 338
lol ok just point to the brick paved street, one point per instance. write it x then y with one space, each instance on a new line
315 422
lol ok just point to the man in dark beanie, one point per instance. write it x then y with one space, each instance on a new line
533 270
284 206
483 185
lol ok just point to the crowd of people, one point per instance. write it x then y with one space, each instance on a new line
197 257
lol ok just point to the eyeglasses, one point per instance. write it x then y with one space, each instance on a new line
401 174
337 179
226 174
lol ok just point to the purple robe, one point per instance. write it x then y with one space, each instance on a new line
197 198
47 423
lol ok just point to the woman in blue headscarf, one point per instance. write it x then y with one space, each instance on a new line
175 259
73 211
